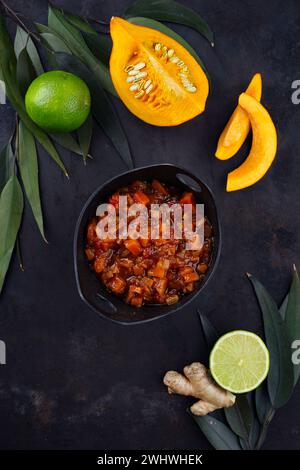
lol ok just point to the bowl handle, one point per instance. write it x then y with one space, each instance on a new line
105 305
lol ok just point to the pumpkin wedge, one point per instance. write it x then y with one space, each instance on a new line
156 77
238 126
264 146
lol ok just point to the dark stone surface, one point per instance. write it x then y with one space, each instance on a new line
73 380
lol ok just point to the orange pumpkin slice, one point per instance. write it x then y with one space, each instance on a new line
264 146
238 126
156 77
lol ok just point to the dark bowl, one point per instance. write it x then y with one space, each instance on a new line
90 289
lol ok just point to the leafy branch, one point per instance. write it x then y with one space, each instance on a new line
245 425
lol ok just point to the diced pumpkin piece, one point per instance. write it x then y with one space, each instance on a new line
117 285
187 198
133 246
99 265
90 254
172 299
157 186
141 198
161 286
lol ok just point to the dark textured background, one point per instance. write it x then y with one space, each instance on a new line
73 380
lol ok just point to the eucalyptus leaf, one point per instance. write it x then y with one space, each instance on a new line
239 417
68 142
100 45
25 71
11 210
76 43
84 134
174 12
281 377
8 68
7 164
28 166
283 306
24 41
102 108
54 42
79 23
263 403
217 433
210 333
149 23
292 318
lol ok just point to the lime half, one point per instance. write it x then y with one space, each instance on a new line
239 361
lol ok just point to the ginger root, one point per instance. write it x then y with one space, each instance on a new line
198 383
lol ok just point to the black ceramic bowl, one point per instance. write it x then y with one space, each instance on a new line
92 292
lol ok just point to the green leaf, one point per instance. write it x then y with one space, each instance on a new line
174 12
28 166
217 433
11 210
210 333
283 306
24 41
239 417
100 45
8 68
79 22
85 133
68 142
292 317
263 403
25 71
169 32
280 378
7 164
77 45
54 42
102 108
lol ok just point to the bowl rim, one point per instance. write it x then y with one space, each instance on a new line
189 298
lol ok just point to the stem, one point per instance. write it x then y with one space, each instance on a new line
18 20
265 428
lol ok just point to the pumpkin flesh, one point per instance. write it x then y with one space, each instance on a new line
238 126
264 146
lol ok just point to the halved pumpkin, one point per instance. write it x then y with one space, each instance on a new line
156 77
264 146
238 126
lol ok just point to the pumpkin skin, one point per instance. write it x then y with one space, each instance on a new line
169 99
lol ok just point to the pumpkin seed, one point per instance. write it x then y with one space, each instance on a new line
139 94
141 84
148 82
174 60
150 87
141 75
133 72
131 79
134 87
128 68
170 52
192 89
140 66
157 47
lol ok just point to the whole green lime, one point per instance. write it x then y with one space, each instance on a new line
58 101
